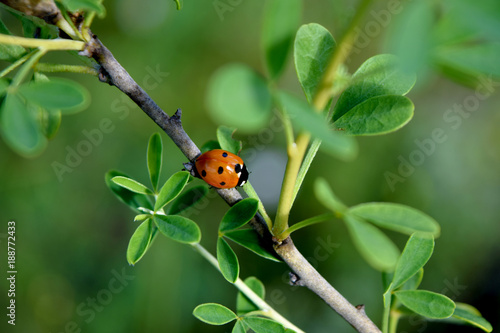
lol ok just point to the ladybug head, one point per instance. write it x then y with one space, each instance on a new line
243 175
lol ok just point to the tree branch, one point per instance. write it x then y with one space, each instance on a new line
310 278
113 73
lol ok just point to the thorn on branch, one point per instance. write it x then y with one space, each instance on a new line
361 308
177 115
295 280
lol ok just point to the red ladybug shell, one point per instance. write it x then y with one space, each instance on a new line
221 169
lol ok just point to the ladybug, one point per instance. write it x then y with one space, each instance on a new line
219 168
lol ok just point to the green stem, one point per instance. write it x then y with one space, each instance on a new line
250 191
24 70
308 222
393 322
16 64
46 44
51 68
266 309
386 315
296 151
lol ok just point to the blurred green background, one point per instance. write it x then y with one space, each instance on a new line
72 234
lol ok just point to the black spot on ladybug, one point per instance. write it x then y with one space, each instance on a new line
203 173
237 168
224 154
222 183
220 170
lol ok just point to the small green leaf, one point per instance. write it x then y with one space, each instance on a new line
188 199
86 5
57 94
210 145
472 316
51 121
171 189
239 327
248 239
415 255
281 18
426 303
305 118
377 76
214 314
20 127
377 249
142 217
239 97
313 49
178 228
243 304
263 325
228 262
325 195
239 214
139 242
226 141
377 115
396 217
132 199
155 155
132 185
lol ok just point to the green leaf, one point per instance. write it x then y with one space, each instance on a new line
426 303
142 217
210 145
313 49
263 325
155 155
226 141
411 36
51 121
132 199
214 314
238 97
139 242
86 5
377 249
248 239
305 118
472 316
239 214
178 228
472 59
239 327
379 75
171 189
243 304
377 115
281 18
228 262
132 185
396 217
33 26
20 127
325 195
415 255
57 94
187 199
